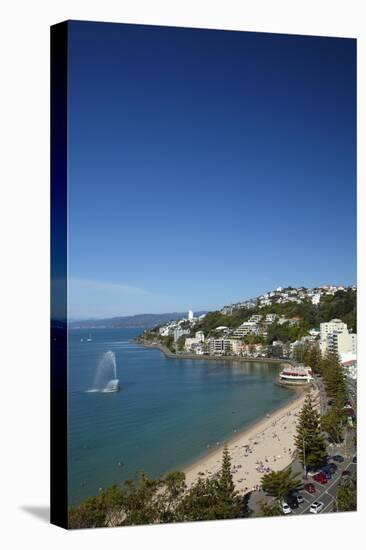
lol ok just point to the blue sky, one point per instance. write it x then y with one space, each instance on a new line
206 166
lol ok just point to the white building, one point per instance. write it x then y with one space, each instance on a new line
341 343
219 346
178 332
248 327
334 326
191 343
164 331
190 315
315 300
335 338
270 317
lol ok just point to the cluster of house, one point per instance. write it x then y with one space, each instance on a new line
181 327
332 336
283 295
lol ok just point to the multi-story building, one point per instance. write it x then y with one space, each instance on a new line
219 346
248 327
236 346
179 331
335 338
341 343
191 343
334 326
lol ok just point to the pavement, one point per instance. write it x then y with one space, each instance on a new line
324 493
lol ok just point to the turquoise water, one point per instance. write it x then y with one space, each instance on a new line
167 412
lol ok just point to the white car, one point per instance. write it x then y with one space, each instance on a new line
316 507
286 508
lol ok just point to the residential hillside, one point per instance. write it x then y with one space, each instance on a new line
272 324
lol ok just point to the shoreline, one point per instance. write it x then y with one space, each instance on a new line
265 443
221 358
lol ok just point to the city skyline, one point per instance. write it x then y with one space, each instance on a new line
207 167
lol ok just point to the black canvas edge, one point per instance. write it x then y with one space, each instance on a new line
58 344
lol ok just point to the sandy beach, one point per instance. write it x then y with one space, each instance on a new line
265 446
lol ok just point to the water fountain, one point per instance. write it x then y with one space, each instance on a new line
106 374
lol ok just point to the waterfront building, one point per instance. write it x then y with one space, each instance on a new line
341 343
236 346
299 375
192 343
219 346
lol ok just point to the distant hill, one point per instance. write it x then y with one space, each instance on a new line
144 320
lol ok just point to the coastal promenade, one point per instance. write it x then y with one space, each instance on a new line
221 358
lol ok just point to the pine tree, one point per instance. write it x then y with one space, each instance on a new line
229 500
332 422
346 499
334 378
314 358
309 440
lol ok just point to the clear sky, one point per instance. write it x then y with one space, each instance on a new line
206 166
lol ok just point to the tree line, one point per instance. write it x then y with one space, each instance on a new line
167 499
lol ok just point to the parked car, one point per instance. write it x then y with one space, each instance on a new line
328 474
332 467
300 499
310 488
345 473
320 478
354 459
316 507
292 502
286 508
338 458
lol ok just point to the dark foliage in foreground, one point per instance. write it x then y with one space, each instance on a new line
165 500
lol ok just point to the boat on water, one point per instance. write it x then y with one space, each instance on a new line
89 339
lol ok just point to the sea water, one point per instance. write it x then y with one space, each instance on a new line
167 413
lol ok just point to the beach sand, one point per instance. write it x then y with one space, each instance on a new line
268 444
